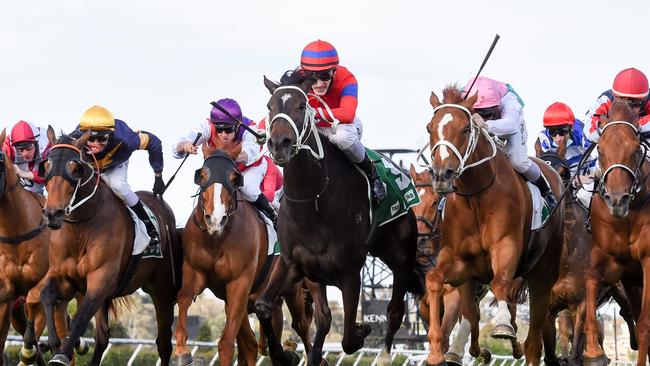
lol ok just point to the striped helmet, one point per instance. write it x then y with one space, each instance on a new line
318 56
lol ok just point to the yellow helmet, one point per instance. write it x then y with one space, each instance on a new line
97 118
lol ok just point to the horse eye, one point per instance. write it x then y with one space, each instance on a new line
466 130
302 106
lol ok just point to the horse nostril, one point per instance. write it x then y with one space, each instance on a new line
449 173
207 217
625 200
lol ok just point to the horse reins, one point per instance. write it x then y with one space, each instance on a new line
71 206
231 211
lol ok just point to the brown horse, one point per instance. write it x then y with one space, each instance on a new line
226 250
24 242
568 293
428 215
487 226
620 219
91 253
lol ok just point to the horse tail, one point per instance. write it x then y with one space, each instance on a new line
122 304
518 292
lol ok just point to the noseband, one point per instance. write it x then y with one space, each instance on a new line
95 173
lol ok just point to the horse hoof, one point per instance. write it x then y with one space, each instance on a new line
27 355
184 360
363 330
486 356
323 362
517 351
43 347
504 331
453 358
291 358
81 348
601 360
59 360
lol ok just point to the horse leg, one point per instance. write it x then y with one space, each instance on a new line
593 353
163 302
517 352
323 318
434 289
246 345
194 283
395 310
277 319
501 284
643 324
237 293
549 339
102 333
36 312
450 317
540 290
281 277
19 316
5 321
619 294
353 333
471 312
300 322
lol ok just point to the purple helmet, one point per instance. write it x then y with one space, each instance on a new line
218 117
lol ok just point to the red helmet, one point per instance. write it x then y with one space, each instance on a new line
318 56
558 114
23 132
630 83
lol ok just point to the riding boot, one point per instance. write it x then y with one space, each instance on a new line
378 188
545 190
139 210
263 204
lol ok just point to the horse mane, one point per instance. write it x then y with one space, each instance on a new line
64 139
621 111
295 77
452 94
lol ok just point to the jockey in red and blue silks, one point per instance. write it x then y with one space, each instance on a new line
27 147
233 136
630 85
338 88
112 142
500 110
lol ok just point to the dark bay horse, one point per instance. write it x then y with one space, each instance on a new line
24 240
620 217
568 293
487 228
91 252
325 227
428 215
225 249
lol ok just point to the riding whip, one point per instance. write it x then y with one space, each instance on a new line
494 43
222 109
198 136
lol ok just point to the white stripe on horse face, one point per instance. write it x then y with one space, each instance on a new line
444 154
285 97
218 212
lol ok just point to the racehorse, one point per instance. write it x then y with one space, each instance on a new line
486 233
91 252
325 227
24 242
225 249
428 215
568 293
620 222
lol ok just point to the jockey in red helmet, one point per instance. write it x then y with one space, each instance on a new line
338 88
27 146
233 136
630 85
500 110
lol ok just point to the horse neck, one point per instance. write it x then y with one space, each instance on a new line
561 150
304 175
90 209
480 176
26 211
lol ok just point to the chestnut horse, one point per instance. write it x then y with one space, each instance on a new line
620 218
428 215
568 293
487 227
24 242
91 252
225 249
325 226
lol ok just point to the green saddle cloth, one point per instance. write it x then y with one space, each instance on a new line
401 192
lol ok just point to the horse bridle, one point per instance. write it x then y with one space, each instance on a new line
3 177
233 202
474 135
71 206
432 226
637 184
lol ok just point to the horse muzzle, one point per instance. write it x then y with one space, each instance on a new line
443 180
618 204
53 218
282 151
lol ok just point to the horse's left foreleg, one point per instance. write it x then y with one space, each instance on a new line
540 282
237 293
323 319
395 307
298 308
102 333
163 302
504 265
246 345
620 295
353 333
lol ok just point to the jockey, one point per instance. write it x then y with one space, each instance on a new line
562 128
338 87
234 137
272 183
112 142
28 146
630 85
500 110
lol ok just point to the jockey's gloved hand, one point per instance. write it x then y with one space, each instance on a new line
262 139
158 186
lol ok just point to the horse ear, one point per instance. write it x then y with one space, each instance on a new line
271 86
3 136
307 84
603 119
81 142
200 177
237 179
469 102
412 171
433 99
51 135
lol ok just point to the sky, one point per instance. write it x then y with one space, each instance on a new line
158 64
